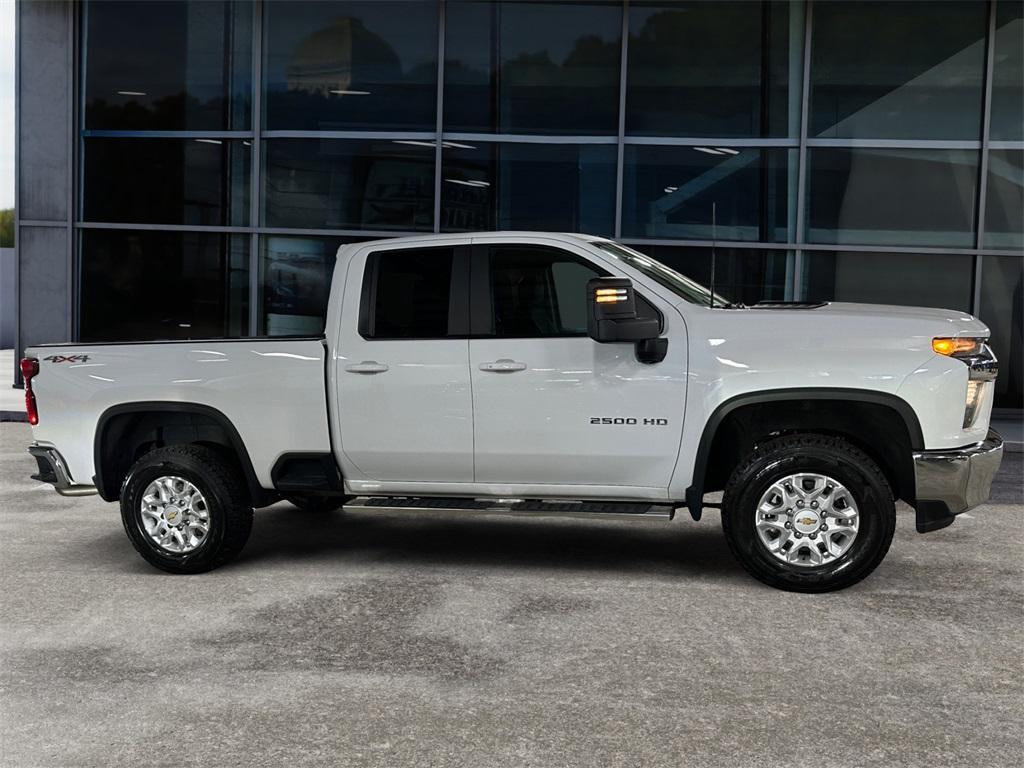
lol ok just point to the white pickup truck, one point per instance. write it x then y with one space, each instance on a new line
536 374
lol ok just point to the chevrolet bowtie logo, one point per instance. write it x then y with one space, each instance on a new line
807 521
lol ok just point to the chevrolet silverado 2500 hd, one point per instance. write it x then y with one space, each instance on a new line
536 374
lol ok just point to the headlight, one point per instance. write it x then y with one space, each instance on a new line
975 390
973 352
961 346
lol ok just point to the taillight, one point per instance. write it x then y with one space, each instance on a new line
29 368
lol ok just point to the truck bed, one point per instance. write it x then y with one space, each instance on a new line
262 386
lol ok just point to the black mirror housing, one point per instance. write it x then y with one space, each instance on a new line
650 351
612 313
628 330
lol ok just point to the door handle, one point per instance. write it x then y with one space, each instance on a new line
504 365
367 366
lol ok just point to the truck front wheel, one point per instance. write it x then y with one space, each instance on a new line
185 509
808 513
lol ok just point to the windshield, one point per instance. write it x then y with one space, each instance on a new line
679 284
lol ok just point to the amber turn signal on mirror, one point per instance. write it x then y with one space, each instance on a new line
610 295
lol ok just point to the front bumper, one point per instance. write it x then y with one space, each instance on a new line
54 470
954 480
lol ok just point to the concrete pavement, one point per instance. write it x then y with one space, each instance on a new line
394 640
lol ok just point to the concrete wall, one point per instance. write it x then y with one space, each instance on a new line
8 300
44 126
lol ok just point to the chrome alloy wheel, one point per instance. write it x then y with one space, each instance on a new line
807 519
175 515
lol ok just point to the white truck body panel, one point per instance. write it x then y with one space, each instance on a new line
745 351
264 387
433 422
536 426
411 423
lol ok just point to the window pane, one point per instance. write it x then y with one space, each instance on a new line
532 67
669 192
910 279
538 292
342 184
744 275
892 196
413 289
166 181
351 65
546 187
295 280
907 70
167 66
1008 73
125 276
1004 199
1002 310
714 69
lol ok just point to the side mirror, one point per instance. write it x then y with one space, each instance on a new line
611 318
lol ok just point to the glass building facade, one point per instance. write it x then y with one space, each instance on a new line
847 151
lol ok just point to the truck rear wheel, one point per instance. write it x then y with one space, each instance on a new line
185 509
808 513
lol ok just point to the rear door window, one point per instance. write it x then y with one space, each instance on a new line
407 294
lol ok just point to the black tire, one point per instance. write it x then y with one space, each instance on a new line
222 486
317 504
829 456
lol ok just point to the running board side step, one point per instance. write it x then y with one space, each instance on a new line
534 507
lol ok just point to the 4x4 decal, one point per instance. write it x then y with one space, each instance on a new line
66 358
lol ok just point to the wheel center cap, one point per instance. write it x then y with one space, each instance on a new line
172 515
806 521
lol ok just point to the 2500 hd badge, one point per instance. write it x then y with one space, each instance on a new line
628 421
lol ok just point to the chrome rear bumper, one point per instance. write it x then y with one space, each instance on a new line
53 470
952 481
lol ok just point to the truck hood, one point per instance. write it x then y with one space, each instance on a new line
946 322
866 332
837 317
